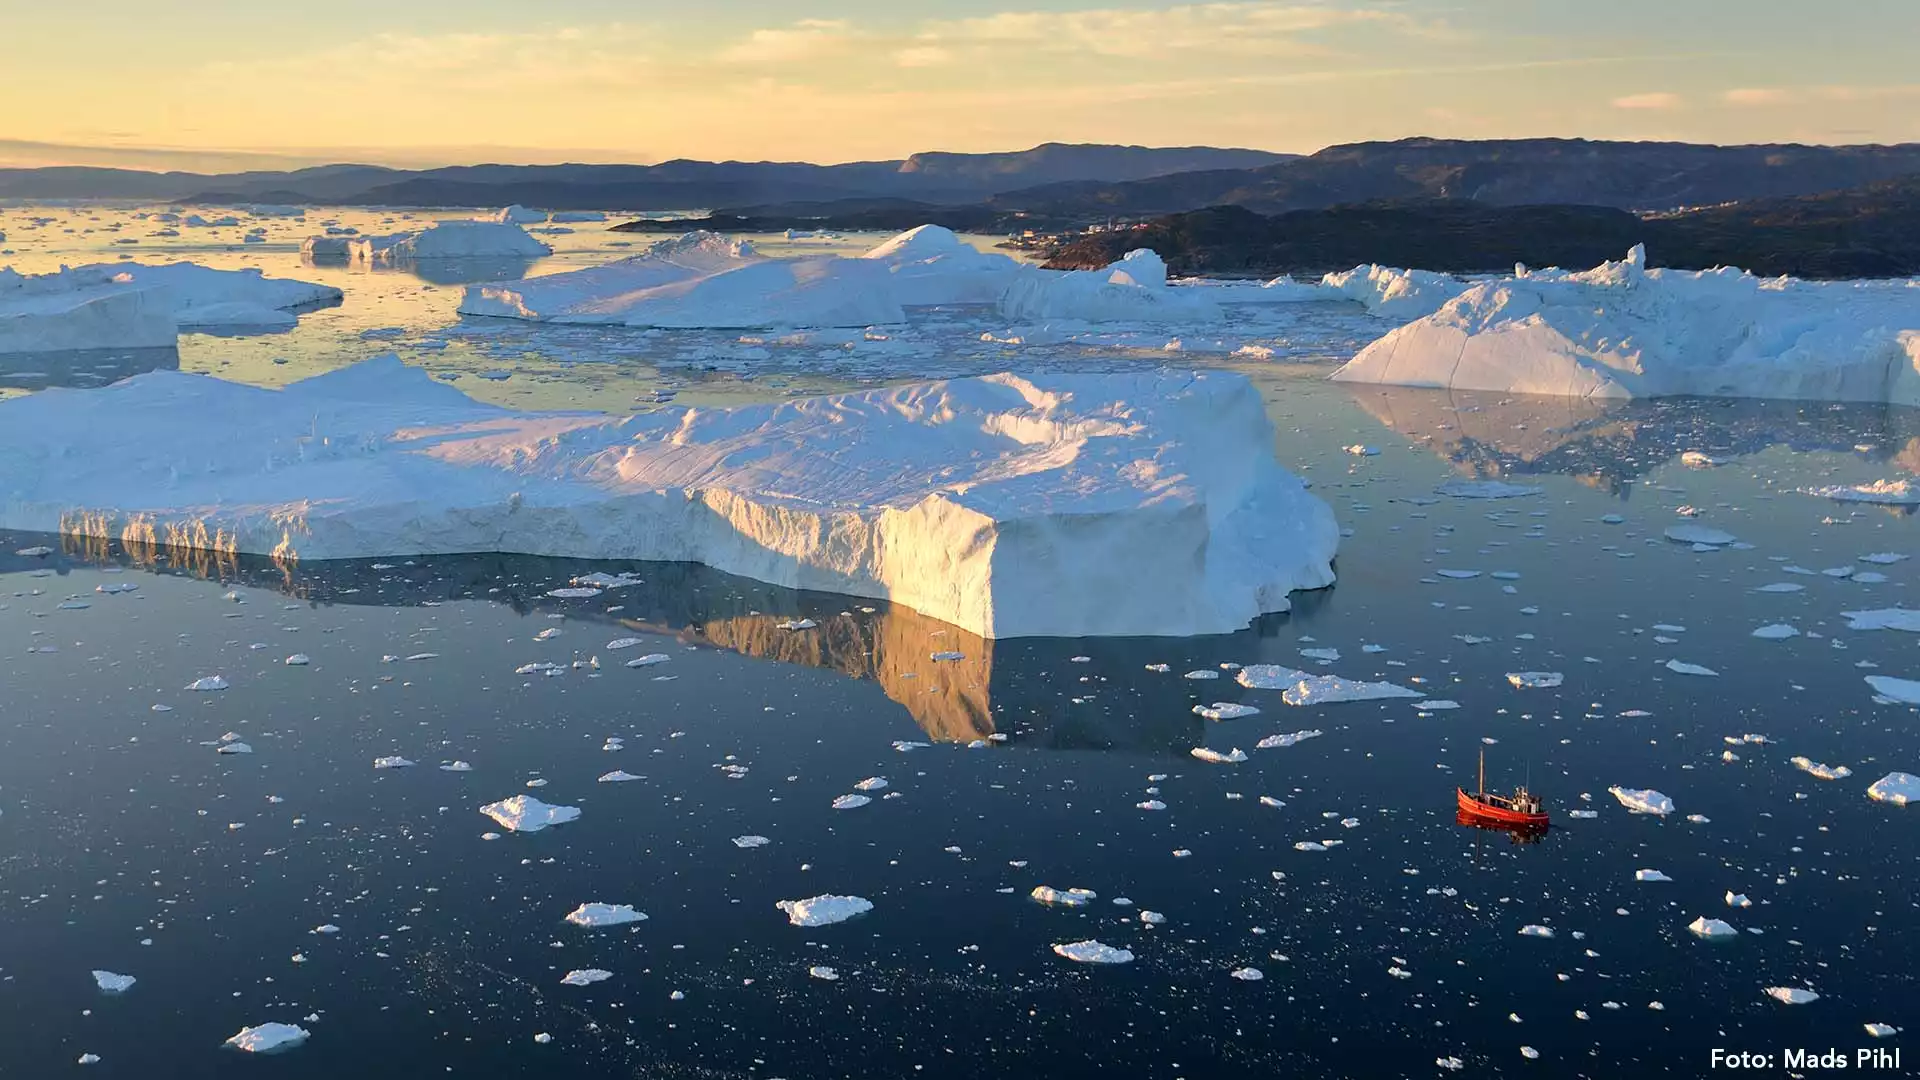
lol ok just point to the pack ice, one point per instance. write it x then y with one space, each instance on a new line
1624 331
1071 505
700 280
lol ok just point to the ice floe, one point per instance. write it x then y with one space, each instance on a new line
1093 952
524 813
1894 618
824 910
1535 680
1775 632
1681 667
1879 492
1275 742
1047 894
1820 771
1650 875
1224 710
1622 330
1642 801
1897 788
263 1038
1231 757
861 493
585 977
598 914
112 983
1306 688
1905 691
1791 995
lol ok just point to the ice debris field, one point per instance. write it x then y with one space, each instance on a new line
1103 709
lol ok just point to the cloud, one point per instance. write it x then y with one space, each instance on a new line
920 56
1242 28
808 39
1756 95
1648 101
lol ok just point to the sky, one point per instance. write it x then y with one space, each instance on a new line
216 85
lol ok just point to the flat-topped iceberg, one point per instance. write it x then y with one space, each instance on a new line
1624 331
448 240
204 296
1059 505
1642 800
75 310
701 281
824 910
1134 289
265 1038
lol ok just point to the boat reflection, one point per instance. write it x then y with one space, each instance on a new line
1608 445
1040 693
1518 834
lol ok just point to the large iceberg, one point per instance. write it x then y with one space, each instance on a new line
701 280
515 215
448 240
1072 505
75 309
1393 293
203 296
1623 331
931 266
1134 289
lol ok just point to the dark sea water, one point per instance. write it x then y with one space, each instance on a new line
128 844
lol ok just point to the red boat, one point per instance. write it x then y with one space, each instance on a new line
1521 810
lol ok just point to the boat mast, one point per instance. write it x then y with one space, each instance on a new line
1483 770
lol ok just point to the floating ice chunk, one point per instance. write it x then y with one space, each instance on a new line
1699 819
597 914
1224 710
750 841
871 783
1642 801
1231 757
298 660
233 748
456 766
1451 1064
600 580
524 813
1883 558
115 587
112 983
264 1038
585 977
1737 900
1880 492
1583 814
1485 489
1792 995
1202 674
850 802
573 593
905 745
83 1059
1893 618
1150 804
1305 688
1093 952
824 973
1321 654
1046 894
1897 788
617 776
1882 1031
1536 930
1697 460
824 910
1820 771
37 552
1650 875
1681 667
1456 575
1776 632
208 683
1698 534
1535 680
1275 742
1152 918
795 624
1358 450
648 660
1247 974
1436 705
1905 691
393 762
1781 587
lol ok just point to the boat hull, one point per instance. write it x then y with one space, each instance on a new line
1497 815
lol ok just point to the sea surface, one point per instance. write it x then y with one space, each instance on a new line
1387 936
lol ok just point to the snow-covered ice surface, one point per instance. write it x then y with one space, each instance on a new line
1621 330
975 501
132 845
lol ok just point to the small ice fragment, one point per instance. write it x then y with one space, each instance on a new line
1436 705
1231 757
648 660
1484 489
1820 771
796 624
1711 928
1738 900
1047 894
573 594
1681 667
208 683
850 802
1698 534
112 983
1536 930
298 660
1152 918
1151 804
1535 680
524 813
1897 788
1905 691
543 1038
1321 654
456 766
750 841
1458 575
623 643
1358 450
1275 742
824 910
1247 974
617 776
1781 587
1650 875
1792 995
1224 710
233 748
393 762
585 977
1202 674
821 971
1776 632
1882 1031
871 783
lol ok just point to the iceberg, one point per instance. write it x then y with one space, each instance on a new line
824 910
1393 293
1145 503
203 296
701 281
1093 952
1134 289
931 266
1624 331
263 1038
76 310
1897 788
448 240
1306 688
524 813
1711 928
515 215
597 914
1642 801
